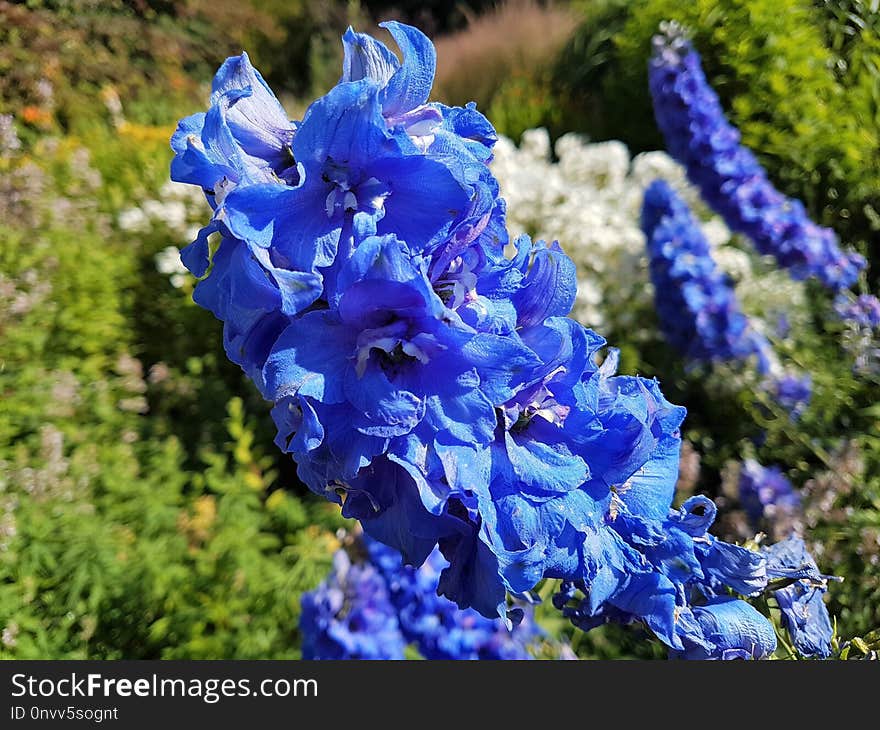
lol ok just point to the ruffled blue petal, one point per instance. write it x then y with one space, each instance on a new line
410 86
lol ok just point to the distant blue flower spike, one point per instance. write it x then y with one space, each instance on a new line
438 628
729 176
793 392
862 311
765 493
350 616
695 301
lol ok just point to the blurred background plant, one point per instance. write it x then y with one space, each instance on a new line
145 512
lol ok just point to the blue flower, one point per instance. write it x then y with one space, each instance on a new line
804 613
245 138
350 616
793 392
729 176
389 358
438 628
286 194
698 310
433 386
731 629
766 494
863 311
669 576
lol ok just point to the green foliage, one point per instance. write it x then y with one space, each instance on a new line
523 102
806 101
142 515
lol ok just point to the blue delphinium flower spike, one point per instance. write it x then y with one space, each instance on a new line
437 627
350 616
429 383
767 495
695 300
729 176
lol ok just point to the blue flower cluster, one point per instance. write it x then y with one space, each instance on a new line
804 613
423 379
695 301
437 627
350 616
373 609
676 579
862 311
766 494
793 391
729 176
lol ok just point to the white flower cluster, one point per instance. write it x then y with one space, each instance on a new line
168 262
590 201
178 209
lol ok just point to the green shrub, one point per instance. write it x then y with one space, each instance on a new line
142 515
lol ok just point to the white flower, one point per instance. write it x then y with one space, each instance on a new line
590 201
168 262
132 219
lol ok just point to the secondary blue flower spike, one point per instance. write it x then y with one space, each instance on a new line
438 628
729 176
695 300
766 494
804 613
793 391
863 311
350 616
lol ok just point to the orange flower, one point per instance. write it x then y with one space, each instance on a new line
35 115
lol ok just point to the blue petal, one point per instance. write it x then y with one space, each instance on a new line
386 501
549 287
366 58
651 489
310 358
502 363
472 580
254 115
345 126
411 84
734 629
196 256
414 180
286 220
743 570
385 409
544 469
